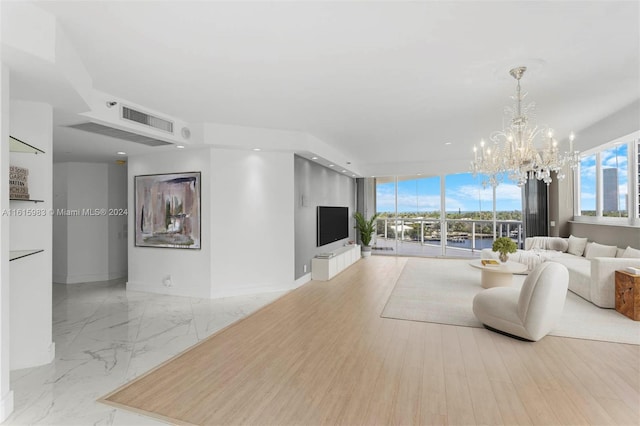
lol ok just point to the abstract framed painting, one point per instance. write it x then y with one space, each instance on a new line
167 210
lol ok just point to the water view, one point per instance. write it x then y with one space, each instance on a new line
464 231
419 215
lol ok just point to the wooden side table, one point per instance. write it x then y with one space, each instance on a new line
628 294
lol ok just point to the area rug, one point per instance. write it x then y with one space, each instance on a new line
442 291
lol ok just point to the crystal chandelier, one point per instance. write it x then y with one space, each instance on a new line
513 150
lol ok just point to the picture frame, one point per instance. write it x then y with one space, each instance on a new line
167 210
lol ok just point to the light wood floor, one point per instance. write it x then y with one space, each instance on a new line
323 355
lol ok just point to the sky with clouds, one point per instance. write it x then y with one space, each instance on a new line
466 193
614 157
463 192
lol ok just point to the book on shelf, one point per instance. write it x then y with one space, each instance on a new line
489 262
325 255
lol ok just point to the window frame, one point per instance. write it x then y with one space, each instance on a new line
632 141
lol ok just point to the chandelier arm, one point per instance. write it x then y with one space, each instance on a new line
513 151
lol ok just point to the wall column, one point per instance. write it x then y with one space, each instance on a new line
6 394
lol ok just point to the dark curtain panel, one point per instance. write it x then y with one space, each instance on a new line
536 208
360 195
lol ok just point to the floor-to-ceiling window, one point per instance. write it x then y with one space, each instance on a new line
471 221
469 215
384 240
409 221
449 215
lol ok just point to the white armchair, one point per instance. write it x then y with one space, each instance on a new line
529 313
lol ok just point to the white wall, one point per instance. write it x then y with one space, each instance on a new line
189 269
60 230
318 186
47 67
30 277
87 187
117 223
89 247
29 29
6 394
621 236
247 225
252 222
618 124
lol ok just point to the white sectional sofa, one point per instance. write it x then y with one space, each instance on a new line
591 265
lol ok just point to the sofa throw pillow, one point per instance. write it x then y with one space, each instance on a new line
558 244
586 249
631 253
576 245
599 250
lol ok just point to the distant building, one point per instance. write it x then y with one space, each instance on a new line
611 196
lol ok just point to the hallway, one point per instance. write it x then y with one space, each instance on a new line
106 336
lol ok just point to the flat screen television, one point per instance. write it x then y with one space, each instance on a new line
332 224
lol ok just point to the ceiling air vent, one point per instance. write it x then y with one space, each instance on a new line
147 119
118 134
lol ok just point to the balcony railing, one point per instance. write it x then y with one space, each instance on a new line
465 234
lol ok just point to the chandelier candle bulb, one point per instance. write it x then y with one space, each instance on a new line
572 136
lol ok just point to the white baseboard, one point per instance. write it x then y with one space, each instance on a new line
88 278
116 275
52 352
302 280
34 359
6 406
59 279
217 293
172 291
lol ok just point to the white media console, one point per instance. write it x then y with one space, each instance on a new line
323 269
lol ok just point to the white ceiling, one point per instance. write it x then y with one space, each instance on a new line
385 82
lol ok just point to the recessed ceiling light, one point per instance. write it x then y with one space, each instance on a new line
180 146
344 171
121 153
257 149
314 158
447 143
330 165
353 175
419 174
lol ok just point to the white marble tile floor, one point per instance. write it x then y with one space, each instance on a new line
105 336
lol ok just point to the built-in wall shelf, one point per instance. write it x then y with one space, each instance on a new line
16 145
19 254
29 200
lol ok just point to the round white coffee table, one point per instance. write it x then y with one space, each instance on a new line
498 275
